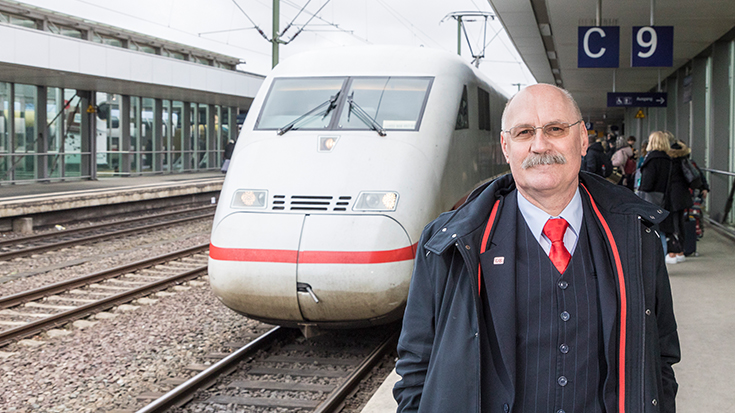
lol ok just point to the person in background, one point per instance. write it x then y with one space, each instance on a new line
623 160
680 199
611 144
227 155
644 152
527 298
596 160
631 143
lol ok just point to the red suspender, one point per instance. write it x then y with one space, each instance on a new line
483 246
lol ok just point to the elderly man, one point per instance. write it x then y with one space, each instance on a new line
546 291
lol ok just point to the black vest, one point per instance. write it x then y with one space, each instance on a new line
559 346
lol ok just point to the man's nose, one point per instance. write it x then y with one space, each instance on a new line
540 141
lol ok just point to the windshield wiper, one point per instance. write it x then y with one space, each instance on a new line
332 102
363 116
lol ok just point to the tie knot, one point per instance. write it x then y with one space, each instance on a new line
555 229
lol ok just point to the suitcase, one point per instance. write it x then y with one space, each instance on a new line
690 237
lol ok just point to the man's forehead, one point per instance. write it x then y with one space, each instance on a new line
546 104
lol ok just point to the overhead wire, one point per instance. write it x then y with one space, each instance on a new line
288 26
401 20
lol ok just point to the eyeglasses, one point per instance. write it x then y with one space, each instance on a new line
552 130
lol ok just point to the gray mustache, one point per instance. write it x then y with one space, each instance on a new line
543 159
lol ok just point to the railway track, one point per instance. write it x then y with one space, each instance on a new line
34 244
314 375
31 312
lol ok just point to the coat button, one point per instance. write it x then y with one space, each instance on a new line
648 311
564 348
562 381
444 230
654 402
506 408
648 230
560 411
454 235
652 217
660 211
564 316
563 284
467 246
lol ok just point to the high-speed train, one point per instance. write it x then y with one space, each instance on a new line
344 157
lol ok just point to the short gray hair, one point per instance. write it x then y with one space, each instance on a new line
564 92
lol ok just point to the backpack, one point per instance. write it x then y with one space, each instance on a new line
691 174
630 166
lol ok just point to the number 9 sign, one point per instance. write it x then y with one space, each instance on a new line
653 46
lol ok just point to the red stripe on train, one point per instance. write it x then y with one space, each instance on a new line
312 257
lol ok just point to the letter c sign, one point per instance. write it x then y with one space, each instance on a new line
598 46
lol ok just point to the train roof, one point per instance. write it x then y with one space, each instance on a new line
377 61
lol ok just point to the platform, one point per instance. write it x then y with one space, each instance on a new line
38 200
704 302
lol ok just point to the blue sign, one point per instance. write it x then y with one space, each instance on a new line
598 46
657 100
653 46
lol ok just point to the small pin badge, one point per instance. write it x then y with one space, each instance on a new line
498 260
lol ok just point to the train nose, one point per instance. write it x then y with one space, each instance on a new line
311 268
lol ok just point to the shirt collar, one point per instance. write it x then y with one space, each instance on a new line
536 218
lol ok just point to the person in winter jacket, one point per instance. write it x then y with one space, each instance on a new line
596 160
679 200
623 160
546 291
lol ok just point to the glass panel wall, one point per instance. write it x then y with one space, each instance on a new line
5 144
146 135
55 122
166 135
71 161
177 136
135 128
109 134
25 132
202 141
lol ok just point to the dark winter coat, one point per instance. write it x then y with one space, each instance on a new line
440 344
679 196
655 172
597 161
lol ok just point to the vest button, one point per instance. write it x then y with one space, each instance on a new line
560 411
562 381
564 348
564 316
563 284
506 408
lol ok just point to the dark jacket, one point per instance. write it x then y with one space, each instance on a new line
679 196
655 172
597 161
440 344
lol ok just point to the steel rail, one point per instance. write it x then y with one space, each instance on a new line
337 397
42 248
30 295
99 226
101 305
183 393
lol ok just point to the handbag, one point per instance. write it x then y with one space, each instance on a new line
691 174
656 198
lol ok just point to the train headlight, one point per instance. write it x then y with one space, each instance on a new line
245 198
376 201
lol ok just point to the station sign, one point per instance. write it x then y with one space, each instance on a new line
598 46
653 46
648 100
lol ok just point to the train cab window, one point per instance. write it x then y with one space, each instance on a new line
395 103
310 101
463 115
483 105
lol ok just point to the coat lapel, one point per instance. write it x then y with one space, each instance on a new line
498 271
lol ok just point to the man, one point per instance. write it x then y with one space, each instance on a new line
596 160
511 309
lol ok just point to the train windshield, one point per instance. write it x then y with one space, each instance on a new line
297 99
393 102
357 103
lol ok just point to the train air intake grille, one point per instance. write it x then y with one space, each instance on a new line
310 203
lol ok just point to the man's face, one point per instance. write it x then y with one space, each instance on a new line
534 106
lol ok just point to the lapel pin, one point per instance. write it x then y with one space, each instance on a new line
498 260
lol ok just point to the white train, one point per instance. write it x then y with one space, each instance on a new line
343 159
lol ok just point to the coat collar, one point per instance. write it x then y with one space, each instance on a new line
611 199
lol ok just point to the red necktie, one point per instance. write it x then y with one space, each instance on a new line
555 229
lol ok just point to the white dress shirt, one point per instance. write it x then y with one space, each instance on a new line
536 218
